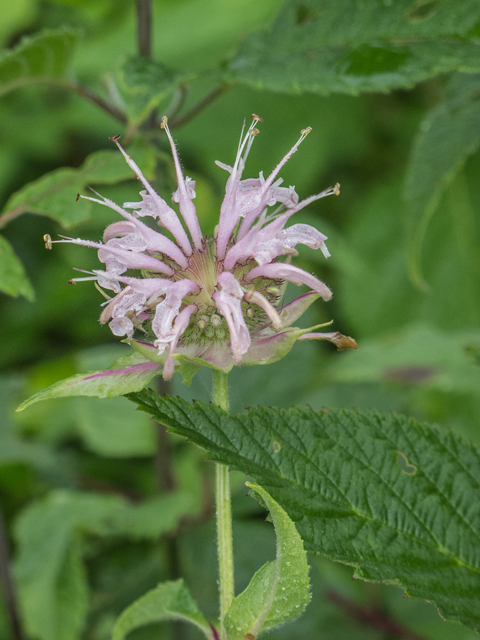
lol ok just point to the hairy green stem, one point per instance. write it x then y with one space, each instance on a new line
223 511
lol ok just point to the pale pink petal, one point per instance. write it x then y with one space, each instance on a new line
117 229
157 208
262 196
190 187
293 274
166 312
128 259
107 312
159 204
122 327
181 323
302 234
229 303
187 208
231 210
137 232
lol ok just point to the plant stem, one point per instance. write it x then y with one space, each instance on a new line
144 28
200 106
223 511
8 589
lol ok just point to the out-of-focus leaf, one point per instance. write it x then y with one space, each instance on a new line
49 571
145 85
168 601
420 355
279 591
129 373
342 46
16 16
398 500
13 449
377 295
13 278
44 57
54 193
448 135
109 430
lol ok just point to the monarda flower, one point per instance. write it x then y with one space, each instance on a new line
215 300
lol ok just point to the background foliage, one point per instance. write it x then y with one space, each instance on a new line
391 90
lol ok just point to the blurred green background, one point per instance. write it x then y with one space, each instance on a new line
418 332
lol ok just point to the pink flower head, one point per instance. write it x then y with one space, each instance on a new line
215 299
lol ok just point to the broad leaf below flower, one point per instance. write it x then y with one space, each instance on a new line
396 499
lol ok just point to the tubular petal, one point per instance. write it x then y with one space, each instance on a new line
159 202
183 197
181 323
229 303
293 274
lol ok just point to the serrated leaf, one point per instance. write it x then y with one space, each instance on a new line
448 135
49 570
145 85
127 374
340 475
168 601
54 193
279 591
44 57
312 47
13 278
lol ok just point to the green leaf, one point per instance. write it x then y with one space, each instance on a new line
127 374
168 601
54 193
49 571
313 46
107 431
340 475
44 57
420 354
278 592
13 278
145 85
447 137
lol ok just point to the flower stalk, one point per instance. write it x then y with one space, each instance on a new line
223 512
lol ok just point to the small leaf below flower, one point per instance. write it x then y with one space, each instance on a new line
127 375
279 591
168 601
